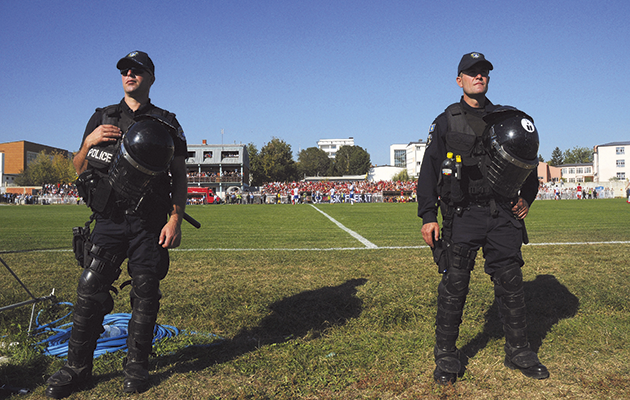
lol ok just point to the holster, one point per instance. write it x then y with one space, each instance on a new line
80 242
440 255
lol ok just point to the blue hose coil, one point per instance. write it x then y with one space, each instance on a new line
113 339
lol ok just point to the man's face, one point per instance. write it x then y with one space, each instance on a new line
136 80
474 81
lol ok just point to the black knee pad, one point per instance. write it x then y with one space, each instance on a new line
145 287
454 282
93 288
145 293
508 280
101 270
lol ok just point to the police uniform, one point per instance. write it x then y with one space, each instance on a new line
479 218
124 228
109 231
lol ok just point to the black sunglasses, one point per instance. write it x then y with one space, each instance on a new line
475 72
134 71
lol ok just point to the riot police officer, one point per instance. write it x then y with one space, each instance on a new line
478 170
132 174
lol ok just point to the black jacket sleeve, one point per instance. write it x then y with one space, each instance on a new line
435 152
529 190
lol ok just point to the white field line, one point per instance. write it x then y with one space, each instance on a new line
327 249
352 233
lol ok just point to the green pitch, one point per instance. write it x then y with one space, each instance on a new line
338 302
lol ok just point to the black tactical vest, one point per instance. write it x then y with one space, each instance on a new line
464 138
99 195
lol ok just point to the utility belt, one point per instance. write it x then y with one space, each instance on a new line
93 186
449 210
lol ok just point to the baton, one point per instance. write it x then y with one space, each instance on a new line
192 221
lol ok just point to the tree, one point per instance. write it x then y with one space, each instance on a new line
540 158
313 161
578 155
556 157
255 172
63 169
47 169
276 162
402 176
351 160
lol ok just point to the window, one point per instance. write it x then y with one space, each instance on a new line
587 170
621 150
571 171
621 163
229 154
207 154
571 179
400 158
579 171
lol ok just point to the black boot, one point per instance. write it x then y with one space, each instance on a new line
68 380
450 365
452 292
510 297
145 301
136 376
526 361
77 373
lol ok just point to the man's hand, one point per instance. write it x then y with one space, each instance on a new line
431 233
520 208
102 134
171 234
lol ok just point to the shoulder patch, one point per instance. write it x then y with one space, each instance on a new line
430 137
180 133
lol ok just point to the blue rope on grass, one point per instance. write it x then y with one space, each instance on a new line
113 339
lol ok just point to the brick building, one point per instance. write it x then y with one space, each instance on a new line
15 157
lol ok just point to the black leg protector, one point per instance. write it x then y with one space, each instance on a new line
452 292
145 301
510 296
93 302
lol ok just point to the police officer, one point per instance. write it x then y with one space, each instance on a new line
141 230
476 214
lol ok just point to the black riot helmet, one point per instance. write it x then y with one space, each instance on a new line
511 140
145 152
149 143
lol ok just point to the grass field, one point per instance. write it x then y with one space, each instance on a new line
307 310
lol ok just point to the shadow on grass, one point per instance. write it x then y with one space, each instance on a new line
307 313
547 300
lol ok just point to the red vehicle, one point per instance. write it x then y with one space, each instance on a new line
201 195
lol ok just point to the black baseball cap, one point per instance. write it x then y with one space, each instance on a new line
470 59
136 59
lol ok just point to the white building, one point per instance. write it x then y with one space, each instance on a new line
408 156
575 173
330 146
609 161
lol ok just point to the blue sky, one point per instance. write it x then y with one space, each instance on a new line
377 71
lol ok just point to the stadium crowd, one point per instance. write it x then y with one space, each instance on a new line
309 192
555 192
339 191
